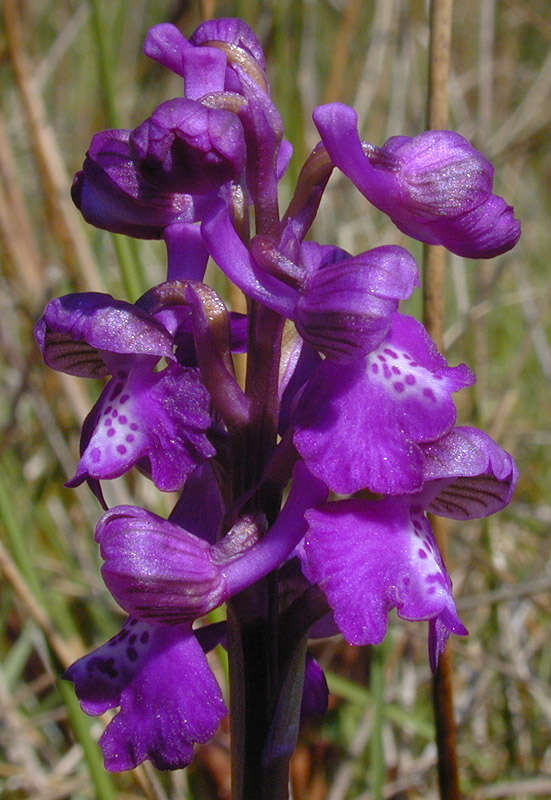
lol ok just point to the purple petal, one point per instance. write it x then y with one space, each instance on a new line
439 173
487 231
315 695
200 508
358 425
155 569
440 628
299 362
185 146
166 44
187 255
168 696
370 557
284 155
141 415
467 475
76 328
435 187
345 308
112 193
203 68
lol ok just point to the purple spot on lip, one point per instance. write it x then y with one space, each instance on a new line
108 422
431 590
111 432
396 371
421 553
130 438
390 352
133 426
374 368
386 371
381 358
399 387
95 455
122 419
115 412
121 449
107 411
124 398
410 380
430 394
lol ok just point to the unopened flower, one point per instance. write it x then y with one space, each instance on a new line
435 187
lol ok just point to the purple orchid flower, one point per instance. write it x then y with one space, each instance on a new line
112 193
372 556
343 305
361 425
140 417
155 669
168 697
157 570
435 187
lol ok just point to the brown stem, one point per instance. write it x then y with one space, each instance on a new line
434 298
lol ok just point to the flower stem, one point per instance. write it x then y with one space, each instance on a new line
252 618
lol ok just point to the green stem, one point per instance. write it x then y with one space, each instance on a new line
252 619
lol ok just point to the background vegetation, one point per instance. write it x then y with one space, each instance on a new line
71 67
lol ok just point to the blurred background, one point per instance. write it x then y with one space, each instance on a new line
69 68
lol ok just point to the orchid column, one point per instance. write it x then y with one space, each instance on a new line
343 394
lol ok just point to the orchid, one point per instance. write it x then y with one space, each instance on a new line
343 394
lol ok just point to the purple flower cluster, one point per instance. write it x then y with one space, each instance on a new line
344 393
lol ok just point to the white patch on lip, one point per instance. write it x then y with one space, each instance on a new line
118 439
397 372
